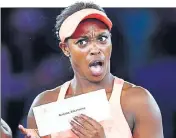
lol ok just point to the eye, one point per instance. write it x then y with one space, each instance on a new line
82 42
102 38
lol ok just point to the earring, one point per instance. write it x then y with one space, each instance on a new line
69 55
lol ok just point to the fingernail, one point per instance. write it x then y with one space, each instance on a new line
72 124
76 117
82 114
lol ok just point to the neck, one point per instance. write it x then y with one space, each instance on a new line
80 85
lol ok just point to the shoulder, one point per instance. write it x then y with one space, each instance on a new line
136 96
132 92
140 108
45 97
139 102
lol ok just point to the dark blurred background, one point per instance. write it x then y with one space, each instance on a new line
144 53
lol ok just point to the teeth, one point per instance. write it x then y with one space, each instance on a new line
96 63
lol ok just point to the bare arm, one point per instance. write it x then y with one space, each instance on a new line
147 115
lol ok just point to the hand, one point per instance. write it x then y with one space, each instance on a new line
29 133
86 127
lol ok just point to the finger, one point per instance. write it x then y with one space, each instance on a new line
77 133
31 136
91 121
22 129
28 136
79 128
84 123
30 133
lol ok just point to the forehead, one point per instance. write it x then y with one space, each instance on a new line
89 26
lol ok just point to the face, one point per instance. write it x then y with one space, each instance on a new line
90 50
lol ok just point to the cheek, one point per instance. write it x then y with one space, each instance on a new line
75 52
78 56
108 51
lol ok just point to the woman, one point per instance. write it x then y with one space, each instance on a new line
84 32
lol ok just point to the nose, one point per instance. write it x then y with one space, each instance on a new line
95 51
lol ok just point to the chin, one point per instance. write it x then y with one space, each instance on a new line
96 79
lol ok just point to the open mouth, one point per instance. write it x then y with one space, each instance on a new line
96 63
96 67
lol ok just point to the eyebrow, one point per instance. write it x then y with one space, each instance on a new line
103 33
83 37
86 36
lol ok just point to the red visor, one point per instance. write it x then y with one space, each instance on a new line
70 24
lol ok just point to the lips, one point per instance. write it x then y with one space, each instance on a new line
96 67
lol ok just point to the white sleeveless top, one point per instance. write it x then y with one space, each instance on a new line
115 128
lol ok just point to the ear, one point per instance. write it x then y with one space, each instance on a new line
64 48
